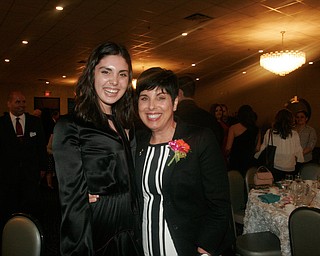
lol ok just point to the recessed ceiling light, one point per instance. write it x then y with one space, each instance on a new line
25 42
193 64
260 51
47 82
244 72
184 34
59 8
7 60
64 76
197 78
134 83
310 62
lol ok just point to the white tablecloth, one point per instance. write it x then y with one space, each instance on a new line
261 216
272 217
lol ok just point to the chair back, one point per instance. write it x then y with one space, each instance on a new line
249 179
304 226
310 171
22 236
236 184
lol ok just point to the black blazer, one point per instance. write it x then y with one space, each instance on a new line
21 158
196 192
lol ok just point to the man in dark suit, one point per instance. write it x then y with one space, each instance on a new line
191 113
22 158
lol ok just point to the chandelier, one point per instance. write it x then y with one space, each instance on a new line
282 62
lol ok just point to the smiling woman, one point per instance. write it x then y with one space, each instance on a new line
181 176
92 150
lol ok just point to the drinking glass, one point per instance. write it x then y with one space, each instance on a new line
297 178
318 181
289 178
287 182
299 193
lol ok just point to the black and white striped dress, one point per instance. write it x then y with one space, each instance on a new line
156 236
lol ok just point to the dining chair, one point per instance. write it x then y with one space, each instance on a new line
236 186
304 226
22 236
258 244
310 171
249 179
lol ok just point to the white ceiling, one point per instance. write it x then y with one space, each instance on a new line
60 42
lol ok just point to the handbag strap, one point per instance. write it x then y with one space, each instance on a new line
270 136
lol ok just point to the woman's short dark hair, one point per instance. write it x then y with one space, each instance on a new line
158 77
87 105
283 123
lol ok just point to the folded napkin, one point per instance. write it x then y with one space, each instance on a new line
269 198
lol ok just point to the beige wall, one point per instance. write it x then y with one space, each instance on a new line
266 93
62 92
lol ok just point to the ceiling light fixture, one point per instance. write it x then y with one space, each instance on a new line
59 8
282 62
295 99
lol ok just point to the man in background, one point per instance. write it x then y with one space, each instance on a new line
190 112
23 157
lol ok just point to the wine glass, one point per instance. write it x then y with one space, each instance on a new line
289 178
287 182
297 178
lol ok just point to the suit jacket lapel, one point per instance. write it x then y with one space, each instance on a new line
179 133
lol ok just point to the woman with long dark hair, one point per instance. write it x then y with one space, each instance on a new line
289 150
93 151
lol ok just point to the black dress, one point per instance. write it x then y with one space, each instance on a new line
242 151
95 161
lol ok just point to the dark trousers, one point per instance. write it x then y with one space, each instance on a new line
279 175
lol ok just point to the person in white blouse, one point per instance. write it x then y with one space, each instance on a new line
287 141
307 134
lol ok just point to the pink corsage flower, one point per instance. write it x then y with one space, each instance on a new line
180 149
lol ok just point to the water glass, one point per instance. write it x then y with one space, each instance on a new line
289 178
318 181
297 178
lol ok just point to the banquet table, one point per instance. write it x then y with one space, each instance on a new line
260 216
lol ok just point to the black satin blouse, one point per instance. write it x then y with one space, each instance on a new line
95 161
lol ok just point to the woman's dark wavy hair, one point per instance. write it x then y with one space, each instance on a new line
283 123
213 109
247 117
87 106
157 77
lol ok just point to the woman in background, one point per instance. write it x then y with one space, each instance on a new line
93 155
217 111
289 150
181 175
243 140
307 135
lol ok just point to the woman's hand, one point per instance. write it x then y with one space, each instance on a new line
200 250
93 198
